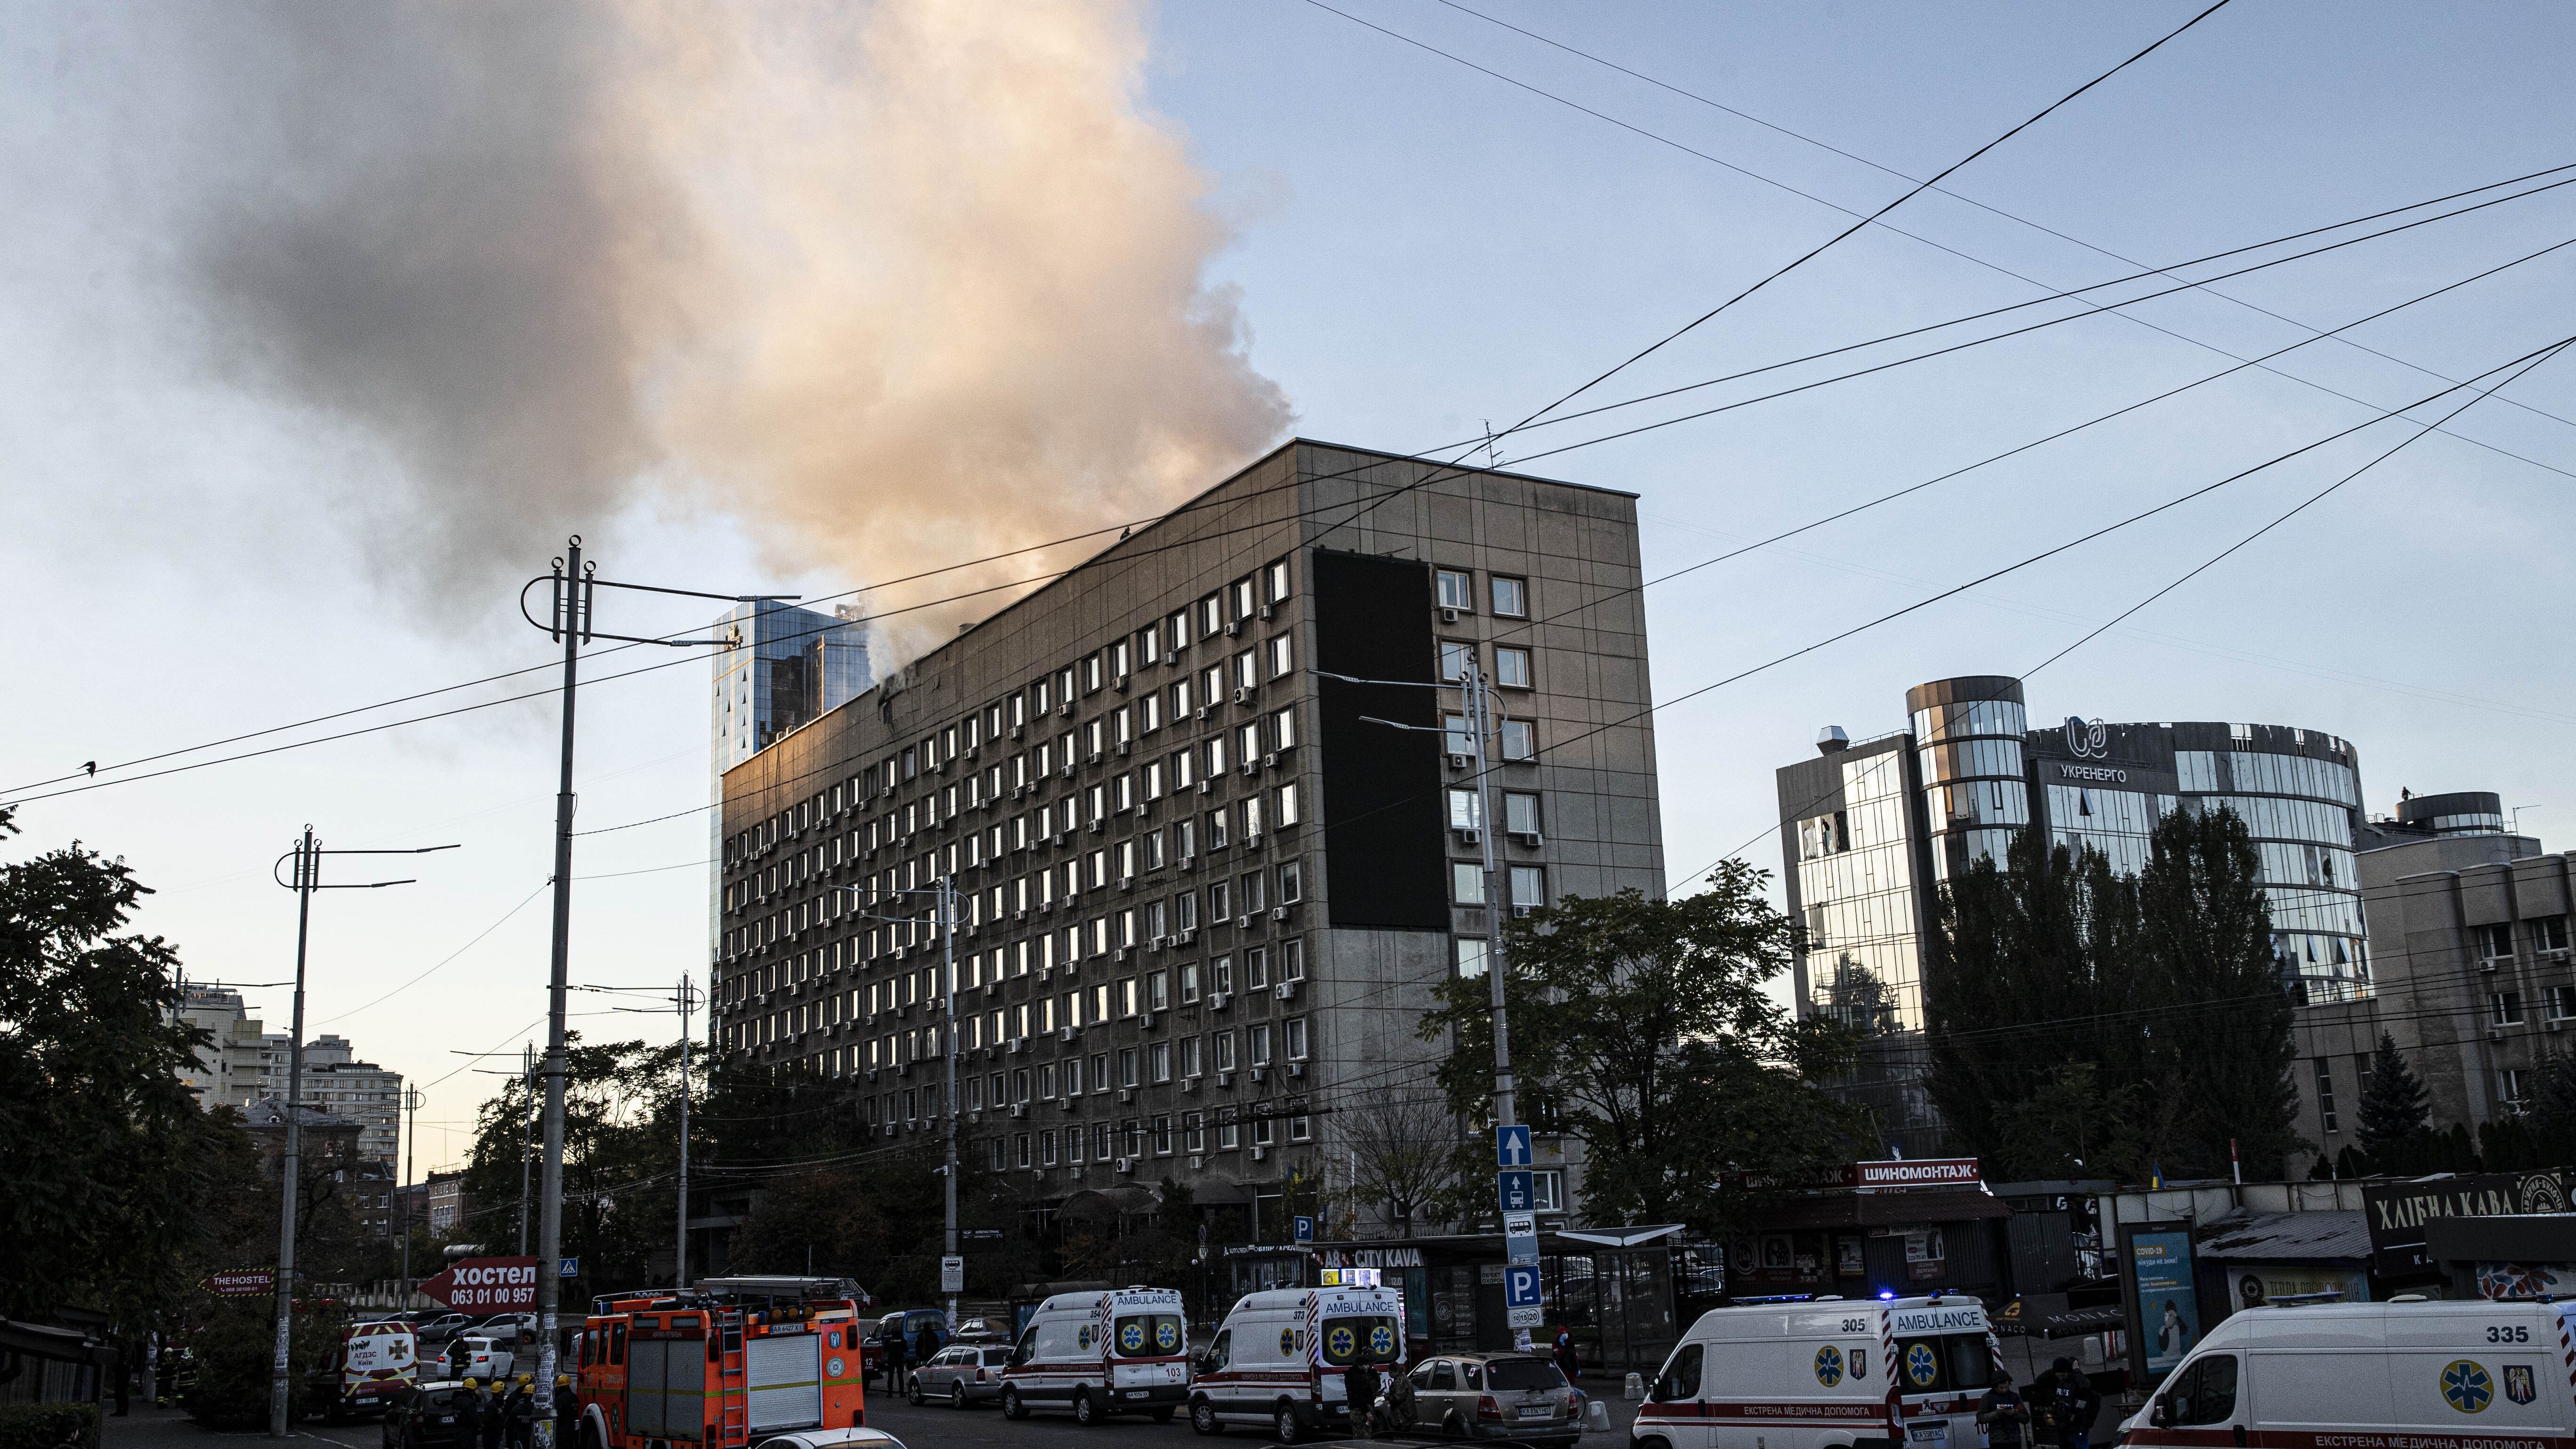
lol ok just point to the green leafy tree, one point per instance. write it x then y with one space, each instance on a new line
2394 1105
621 1155
110 1161
1641 1028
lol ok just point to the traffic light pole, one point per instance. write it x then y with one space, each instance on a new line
571 624
307 855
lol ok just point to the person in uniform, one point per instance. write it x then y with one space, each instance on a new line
469 1413
1360 1385
567 1412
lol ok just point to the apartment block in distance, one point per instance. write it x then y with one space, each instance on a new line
1205 894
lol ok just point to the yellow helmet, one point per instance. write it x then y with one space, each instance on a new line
562 1379
471 1384
527 1378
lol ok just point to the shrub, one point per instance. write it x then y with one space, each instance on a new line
48 1426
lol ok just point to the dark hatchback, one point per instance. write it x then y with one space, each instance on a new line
427 1418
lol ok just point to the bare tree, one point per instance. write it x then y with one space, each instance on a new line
1402 1147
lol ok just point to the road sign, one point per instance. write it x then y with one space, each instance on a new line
243 1283
980 1235
1520 1238
1531 1317
952 1275
1520 1286
1511 1147
486 1285
1305 1232
568 1268
1513 1191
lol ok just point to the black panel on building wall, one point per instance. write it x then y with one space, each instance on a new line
1382 791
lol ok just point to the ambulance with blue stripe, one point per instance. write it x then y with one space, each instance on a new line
1102 1354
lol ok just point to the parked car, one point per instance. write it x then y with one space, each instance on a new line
438 1328
1518 1396
983 1330
473 1356
969 1373
508 1325
426 1418
832 1439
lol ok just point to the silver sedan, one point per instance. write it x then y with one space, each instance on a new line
962 1374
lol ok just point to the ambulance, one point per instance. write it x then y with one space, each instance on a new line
379 1362
2405 1374
1100 1354
1825 1373
1279 1357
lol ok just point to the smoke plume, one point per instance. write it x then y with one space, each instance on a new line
894 286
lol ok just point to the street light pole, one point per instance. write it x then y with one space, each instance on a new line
570 624
1479 708
307 855
411 1149
680 1257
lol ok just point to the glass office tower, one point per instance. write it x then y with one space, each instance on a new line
784 668
1873 829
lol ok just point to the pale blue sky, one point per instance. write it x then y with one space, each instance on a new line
1419 248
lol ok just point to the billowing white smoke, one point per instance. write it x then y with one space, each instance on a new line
895 284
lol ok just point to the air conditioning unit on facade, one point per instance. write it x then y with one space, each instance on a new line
1191 1084
1448 616
1278 913
1242 694
1019 1109
1457 762
1287 990
1259 1152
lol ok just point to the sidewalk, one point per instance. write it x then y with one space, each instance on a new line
146 1428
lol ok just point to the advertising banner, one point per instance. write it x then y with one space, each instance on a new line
242 1283
2165 1308
2255 1285
1913 1172
486 1285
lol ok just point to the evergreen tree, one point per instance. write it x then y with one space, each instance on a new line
2220 1066
2393 1104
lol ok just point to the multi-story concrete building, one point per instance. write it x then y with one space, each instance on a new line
2470 969
335 1080
449 1203
1204 888
782 668
1871 830
228 1071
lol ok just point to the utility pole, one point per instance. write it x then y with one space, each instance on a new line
680 1258
948 968
576 587
307 855
945 894
411 1148
527 1135
1479 702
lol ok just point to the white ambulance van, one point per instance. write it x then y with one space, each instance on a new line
1825 1373
1279 1357
1100 1354
2400 1375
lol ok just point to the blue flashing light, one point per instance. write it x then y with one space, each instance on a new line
1886 1293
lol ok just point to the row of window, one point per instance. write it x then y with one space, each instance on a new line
1512 669
1153 1063
1520 811
1193 1132
1456 589
1467 885
2546 933
2207 772
2504 1008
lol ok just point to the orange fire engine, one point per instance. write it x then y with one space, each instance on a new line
730 1362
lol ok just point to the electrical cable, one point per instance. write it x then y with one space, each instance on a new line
1199 540
1818 250
2015 218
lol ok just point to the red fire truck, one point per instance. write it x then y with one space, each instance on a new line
728 1363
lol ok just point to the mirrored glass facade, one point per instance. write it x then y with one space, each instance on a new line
1874 828
785 667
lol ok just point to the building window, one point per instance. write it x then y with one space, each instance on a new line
1458 740
1193 1133
1229 1136
1457 589
2509 1088
2549 933
1466 883
1256 968
1520 813
1529 887
2325 1094
1455 657
1289 811
1265 1128
1127 1066
1159 1061
1520 740
2562 1002
1511 597
1225 1051
1512 669
2495 942
1293 1038
1464 812
2504 1008
1471 957
1281 657
1162 1136
1547 1192
1256 1043
1301 1128
1189 1056
1292 882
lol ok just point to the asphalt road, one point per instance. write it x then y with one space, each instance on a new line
935 1426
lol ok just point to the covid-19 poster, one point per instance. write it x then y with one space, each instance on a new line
2168 1309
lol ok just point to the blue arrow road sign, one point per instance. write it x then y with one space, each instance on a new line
1520 1287
1512 1191
1511 1147
1305 1230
